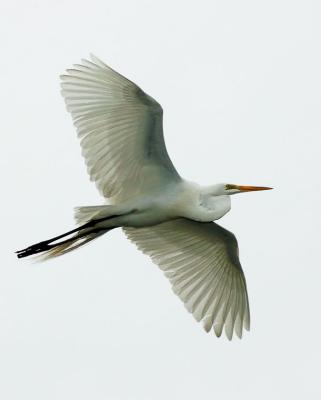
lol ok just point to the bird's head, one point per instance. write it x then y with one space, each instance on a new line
229 189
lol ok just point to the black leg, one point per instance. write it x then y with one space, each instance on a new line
45 244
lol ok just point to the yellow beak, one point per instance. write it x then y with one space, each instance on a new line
252 188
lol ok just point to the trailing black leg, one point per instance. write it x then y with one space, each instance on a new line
47 245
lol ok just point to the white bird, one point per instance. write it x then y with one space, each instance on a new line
170 219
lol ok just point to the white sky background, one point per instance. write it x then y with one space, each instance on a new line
240 84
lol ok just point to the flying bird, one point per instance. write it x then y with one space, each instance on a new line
120 128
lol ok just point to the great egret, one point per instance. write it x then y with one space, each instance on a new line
167 217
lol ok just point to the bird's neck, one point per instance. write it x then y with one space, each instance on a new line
216 205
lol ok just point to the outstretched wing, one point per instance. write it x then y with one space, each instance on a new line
202 264
120 128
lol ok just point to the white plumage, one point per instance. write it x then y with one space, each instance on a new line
168 218
120 130
201 262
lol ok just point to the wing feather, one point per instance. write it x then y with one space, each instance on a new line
120 128
201 261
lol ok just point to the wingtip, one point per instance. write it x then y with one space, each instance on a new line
92 56
96 60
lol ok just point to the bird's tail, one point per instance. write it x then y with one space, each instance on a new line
71 240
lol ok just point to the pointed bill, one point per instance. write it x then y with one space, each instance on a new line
252 188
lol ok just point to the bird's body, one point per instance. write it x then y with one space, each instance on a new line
167 217
180 200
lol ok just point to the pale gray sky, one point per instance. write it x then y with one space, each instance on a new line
240 85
